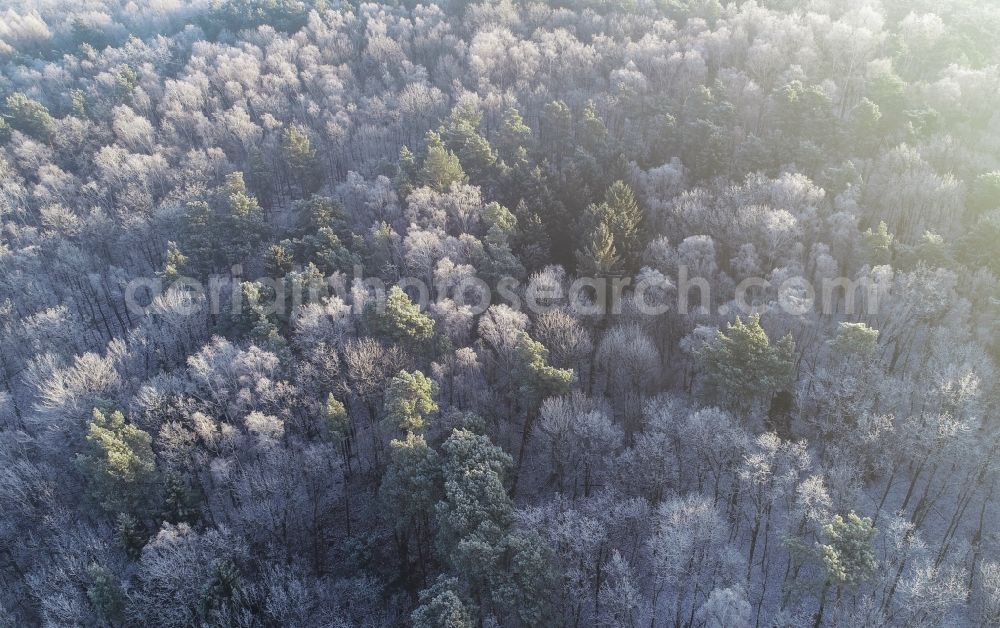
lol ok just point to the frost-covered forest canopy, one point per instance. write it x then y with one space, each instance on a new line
803 433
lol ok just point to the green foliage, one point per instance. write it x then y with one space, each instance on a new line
180 501
235 15
255 318
441 606
773 160
126 81
175 266
984 194
620 215
805 111
865 124
461 135
279 259
878 244
856 340
980 247
320 234
402 321
89 36
514 136
528 578
474 537
933 251
231 232
79 99
329 252
599 257
703 137
888 91
496 215
476 508
538 378
301 159
741 364
224 590
557 127
242 210
593 135
318 212
922 123
663 136
105 594
543 215
407 172
532 240
336 421
29 116
500 259
200 230
411 485
308 283
847 554
682 10
118 463
409 398
441 166
129 534
262 178
380 250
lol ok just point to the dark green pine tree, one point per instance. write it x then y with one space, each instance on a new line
29 116
301 159
620 215
599 257
441 166
175 265
515 138
401 320
461 134
242 226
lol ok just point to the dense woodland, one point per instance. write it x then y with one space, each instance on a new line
359 461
